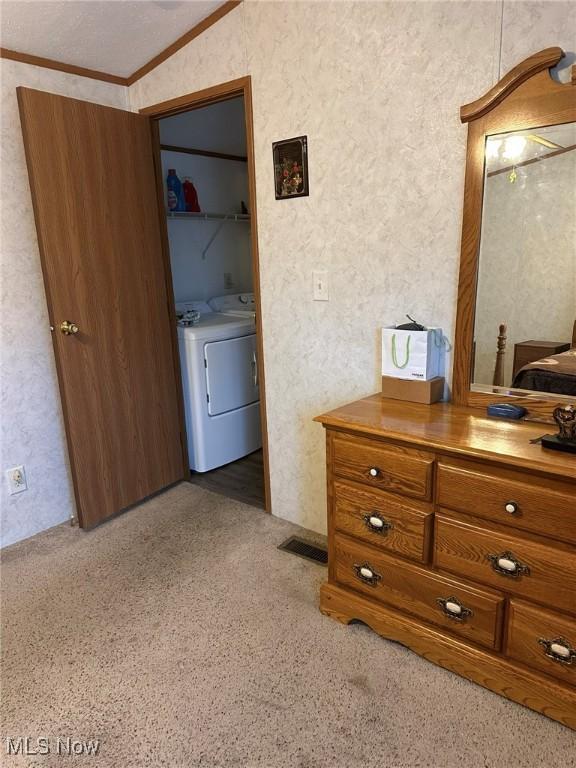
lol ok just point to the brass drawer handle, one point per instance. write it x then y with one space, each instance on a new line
559 650
377 524
367 574
512 507
453 608
373 471
507 565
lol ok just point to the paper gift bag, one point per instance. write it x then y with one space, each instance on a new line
412 354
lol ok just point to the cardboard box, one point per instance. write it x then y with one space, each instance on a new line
426 392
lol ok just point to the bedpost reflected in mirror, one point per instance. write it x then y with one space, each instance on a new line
516 318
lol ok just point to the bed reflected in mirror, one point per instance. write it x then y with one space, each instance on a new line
525 323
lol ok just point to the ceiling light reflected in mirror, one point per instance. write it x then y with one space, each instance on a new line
505 151
513 147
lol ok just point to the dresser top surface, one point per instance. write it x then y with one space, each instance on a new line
453 429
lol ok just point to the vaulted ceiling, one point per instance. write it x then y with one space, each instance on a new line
114 36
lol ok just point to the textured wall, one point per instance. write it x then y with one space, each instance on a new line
377 87
531 26
32 428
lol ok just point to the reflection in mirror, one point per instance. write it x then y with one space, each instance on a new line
525 326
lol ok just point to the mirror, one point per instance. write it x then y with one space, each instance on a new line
517 288
525 319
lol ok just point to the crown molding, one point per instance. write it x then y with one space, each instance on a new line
95 74
70 69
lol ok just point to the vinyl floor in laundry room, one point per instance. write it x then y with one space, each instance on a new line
242 480
178 635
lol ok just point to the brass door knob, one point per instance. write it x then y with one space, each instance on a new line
68 328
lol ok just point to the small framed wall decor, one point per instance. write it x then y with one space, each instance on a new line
291 167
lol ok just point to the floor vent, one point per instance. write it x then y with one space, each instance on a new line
303 548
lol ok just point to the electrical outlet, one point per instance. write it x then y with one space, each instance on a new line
228 280
320 281
16 478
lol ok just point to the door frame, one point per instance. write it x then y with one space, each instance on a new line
186 103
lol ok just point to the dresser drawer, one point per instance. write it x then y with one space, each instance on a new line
388 467
545 572
511 499
542 640
383 520
474 613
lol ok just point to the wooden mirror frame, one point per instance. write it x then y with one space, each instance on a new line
527 97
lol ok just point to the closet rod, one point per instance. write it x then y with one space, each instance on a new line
204 153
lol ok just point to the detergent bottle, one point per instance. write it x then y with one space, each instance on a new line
190 195
175 198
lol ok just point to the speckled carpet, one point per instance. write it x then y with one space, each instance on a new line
178 635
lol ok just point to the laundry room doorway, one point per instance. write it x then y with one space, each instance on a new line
206 190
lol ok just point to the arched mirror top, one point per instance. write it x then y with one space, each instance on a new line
543 61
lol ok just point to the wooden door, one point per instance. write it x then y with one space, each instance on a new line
95 200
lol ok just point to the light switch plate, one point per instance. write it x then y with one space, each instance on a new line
320 282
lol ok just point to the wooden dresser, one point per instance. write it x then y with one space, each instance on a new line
454 535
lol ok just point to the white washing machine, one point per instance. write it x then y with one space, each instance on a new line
240 304
220 383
